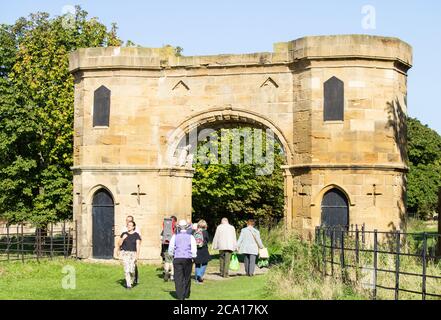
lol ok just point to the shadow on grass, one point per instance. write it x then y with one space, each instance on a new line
173 294
214 256
122 283
160 272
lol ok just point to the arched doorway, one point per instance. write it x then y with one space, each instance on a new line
242 133
181 141
335 210
103 221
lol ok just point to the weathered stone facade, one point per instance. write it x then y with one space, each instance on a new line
154 92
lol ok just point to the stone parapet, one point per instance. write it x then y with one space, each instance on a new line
314 47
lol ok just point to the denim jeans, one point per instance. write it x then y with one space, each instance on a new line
200 270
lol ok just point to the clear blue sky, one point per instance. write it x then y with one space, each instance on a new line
242 26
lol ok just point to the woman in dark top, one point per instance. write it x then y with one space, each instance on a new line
203 256
130 245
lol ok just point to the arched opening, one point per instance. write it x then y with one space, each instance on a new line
335 210
234 182
103 221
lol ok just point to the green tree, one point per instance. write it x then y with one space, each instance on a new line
236 191
36 112
424 178
17 128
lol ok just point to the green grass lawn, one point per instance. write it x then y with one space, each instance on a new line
43 281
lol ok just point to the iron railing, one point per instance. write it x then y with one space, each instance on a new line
21 242
349 252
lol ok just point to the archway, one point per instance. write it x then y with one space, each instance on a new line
219 117
103 221
335 209
226 119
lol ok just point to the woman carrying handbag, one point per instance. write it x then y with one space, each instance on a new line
249 244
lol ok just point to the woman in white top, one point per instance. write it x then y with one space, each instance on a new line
248 244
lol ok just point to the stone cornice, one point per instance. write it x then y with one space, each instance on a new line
163 171
347 47
401 65
381 167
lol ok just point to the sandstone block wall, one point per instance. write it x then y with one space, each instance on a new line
157 97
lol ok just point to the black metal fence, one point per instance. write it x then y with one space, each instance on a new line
21 242
397 263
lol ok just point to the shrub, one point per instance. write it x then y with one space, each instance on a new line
297 276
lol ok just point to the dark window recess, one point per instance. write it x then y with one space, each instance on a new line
334 95
101 107
103 220
335 209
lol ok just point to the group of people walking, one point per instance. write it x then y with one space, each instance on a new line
184 243
248 244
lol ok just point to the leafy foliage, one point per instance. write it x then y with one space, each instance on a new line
424 143
36 112
298 275
233 190
424 178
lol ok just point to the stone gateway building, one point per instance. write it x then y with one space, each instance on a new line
336 104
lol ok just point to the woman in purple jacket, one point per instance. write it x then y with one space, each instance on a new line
183 249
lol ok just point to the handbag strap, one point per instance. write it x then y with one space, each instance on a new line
254 238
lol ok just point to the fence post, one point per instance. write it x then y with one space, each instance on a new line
397 265
76 239
7 240
363 236
438 245
52 240
357 252
17 244
22 244
68 243
424 253
64 238
317 243
438 241
342 255
324 252
332 251
357 246
37 243
375 263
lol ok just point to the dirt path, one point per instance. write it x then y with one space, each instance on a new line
214 274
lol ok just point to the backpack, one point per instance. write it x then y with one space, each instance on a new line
168 230
199 237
